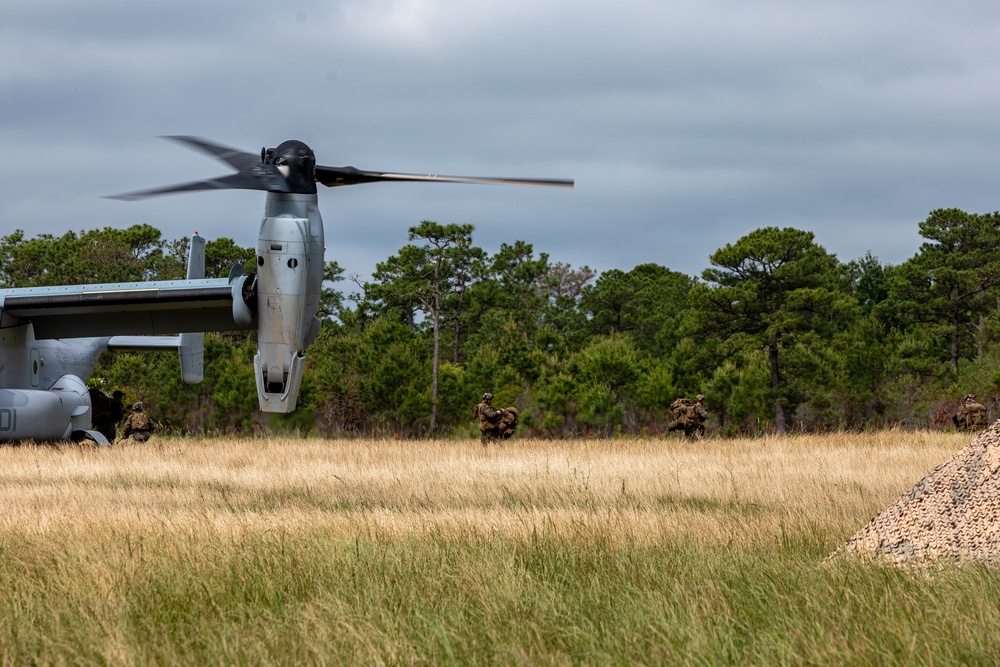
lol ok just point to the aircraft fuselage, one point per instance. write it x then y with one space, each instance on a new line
42 395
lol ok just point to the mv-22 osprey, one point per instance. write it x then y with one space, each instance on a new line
51 337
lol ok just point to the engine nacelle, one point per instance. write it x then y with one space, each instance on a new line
289 280
55 414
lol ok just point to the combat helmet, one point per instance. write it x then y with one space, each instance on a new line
487 396
137 406
969 398
699 398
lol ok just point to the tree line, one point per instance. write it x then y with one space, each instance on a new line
777 333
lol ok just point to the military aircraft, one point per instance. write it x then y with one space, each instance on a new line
51 337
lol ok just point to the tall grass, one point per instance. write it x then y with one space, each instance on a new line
535 552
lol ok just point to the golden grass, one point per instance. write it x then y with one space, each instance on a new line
713 492
441 552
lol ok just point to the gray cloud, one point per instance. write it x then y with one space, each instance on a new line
686 125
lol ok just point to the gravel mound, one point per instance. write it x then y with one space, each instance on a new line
952 513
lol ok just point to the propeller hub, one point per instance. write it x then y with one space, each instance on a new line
296 162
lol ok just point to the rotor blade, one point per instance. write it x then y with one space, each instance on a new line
335 176
260 177
237 159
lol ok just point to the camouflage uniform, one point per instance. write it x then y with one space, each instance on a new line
971 416
489 419
138 426
106 413
117 408
494 423
690 416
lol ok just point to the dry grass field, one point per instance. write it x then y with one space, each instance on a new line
443 552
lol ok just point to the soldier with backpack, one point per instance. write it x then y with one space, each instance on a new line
971 415
494 423
690 416
138 426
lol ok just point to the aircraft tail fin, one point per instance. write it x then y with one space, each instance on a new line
192 353
196 258
192 345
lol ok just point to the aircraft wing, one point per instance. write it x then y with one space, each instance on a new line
140 308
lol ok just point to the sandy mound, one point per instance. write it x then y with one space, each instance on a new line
952 513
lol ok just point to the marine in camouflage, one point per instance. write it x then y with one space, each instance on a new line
971 415
494 423
138 427
689 416
106 413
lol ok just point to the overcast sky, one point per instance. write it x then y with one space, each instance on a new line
686 124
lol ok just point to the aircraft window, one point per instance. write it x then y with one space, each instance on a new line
260 260
292 263
34 367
